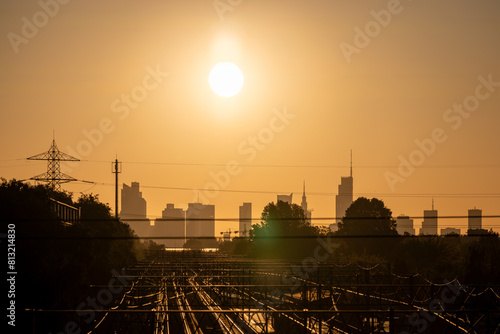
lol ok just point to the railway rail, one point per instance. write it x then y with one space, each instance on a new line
212 294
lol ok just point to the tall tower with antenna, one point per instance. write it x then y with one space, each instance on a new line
344 198
307 212
54 177
430 222
304 200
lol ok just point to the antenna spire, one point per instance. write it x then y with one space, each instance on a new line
351 163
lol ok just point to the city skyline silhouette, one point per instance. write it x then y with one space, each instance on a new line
237 166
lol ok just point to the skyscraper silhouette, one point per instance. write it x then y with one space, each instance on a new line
475 219
344 198
303 204
430 223
285 198
171 225
245 219
133 210
404 224
200 221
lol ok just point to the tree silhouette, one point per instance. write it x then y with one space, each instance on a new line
283 232
57 262
435 257
110 241
371 221
481 259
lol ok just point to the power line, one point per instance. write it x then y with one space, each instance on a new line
237 219
276 237
24 165
182 164
486 165
442 195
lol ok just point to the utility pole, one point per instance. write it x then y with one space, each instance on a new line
116 169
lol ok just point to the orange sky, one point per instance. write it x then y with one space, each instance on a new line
371 76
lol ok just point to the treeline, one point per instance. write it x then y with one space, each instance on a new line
57 262
367 235
472 259
283 233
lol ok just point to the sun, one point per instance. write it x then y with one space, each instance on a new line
226 79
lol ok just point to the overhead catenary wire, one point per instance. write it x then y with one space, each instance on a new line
278 237
330 194
485 165
158 218
437 195
184 164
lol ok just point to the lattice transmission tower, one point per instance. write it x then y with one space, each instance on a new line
54 177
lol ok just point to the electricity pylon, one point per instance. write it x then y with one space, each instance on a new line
53 176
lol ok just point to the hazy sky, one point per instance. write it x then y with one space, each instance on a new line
130 79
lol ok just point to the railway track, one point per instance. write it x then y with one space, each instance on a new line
201 297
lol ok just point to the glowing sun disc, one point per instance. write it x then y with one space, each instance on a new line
226 79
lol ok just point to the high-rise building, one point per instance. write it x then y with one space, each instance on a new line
405 224
133 210
172 226
200 221
245 219
430 223
133 205
285 198
304 205
475 219
344 198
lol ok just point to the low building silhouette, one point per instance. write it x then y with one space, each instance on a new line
450 230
